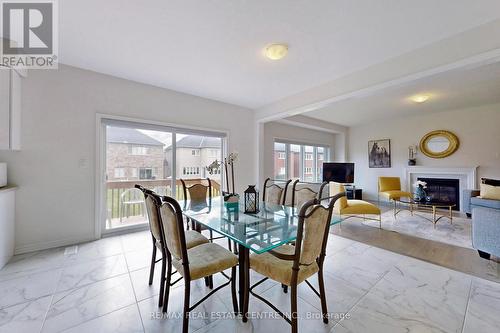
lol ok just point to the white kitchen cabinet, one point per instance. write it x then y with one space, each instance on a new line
7 223
4 108
10 109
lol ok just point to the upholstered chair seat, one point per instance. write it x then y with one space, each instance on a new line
281 270
395 194
207 259
358 207
193 238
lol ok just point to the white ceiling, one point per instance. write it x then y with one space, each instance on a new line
452 90
212 48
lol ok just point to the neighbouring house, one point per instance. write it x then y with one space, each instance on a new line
193 154
133 155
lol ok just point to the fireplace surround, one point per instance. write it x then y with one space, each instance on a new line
467 177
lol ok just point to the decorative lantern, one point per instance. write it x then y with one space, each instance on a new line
251 200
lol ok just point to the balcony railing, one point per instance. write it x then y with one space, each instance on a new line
126 204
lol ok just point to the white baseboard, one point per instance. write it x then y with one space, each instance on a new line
52 244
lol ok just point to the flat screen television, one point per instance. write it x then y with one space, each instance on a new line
338 172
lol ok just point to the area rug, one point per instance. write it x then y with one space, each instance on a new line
458 233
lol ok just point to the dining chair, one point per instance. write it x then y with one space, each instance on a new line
199 193
293 264
303 192
274 191
193 238
195 263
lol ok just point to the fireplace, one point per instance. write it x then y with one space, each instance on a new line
443 191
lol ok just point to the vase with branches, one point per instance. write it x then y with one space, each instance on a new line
230 195
214 167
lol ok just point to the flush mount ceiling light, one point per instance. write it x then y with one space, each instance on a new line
276 51
420 98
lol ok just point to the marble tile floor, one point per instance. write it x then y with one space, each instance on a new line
462 259
103 288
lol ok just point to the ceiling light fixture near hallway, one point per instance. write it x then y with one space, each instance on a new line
276 51
420 98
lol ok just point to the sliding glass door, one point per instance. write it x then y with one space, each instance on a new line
156 157
134 156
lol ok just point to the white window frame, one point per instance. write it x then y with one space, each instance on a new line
314 169
122 172
145 169
139 150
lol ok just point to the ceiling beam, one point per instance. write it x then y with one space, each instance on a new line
314 124
474 47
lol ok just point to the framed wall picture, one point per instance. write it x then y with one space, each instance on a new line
379 153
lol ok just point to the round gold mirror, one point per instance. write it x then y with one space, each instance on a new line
439 144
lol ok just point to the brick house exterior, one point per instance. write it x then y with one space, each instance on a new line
133 155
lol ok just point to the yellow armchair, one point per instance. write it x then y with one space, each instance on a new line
390 188
353 208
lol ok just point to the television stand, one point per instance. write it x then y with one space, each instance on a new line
353 193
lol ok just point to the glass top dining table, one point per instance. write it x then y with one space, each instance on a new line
272 226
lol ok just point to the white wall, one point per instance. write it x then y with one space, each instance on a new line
478 130
55 201
275 130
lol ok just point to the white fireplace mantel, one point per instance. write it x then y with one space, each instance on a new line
466 175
